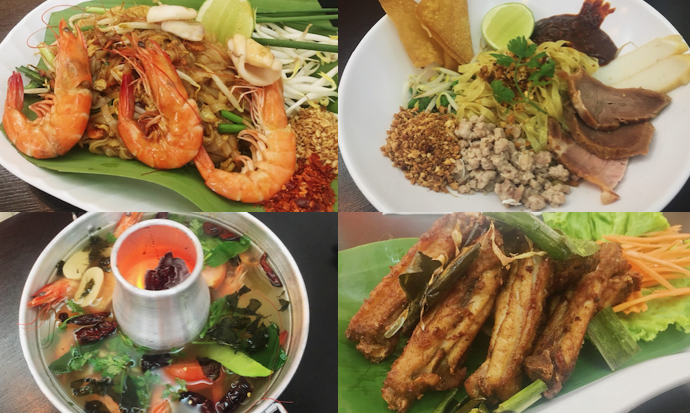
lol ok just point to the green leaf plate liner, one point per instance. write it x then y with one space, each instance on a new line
359 382
186 181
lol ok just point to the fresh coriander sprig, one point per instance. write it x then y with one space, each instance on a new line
524 56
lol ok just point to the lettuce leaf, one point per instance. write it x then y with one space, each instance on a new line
593 225
662 313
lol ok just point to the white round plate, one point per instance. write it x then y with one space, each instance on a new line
88 192
371 92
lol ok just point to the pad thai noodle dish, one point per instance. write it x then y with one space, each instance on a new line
228 367
499 310
541 108
163 86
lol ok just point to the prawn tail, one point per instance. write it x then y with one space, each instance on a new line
15 92
126 105
204 164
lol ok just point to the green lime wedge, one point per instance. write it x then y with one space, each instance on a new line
225 18
506 22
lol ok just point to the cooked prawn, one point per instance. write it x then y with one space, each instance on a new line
273 147
63 115
172 136
128 219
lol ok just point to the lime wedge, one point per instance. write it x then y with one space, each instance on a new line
225 18
506 22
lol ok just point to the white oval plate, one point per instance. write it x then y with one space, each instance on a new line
88 192
371 92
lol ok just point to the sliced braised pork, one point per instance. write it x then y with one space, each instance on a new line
624 142
604 173
606 108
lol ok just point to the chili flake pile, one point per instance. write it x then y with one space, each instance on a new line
309 189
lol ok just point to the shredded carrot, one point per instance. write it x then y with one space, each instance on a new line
659 256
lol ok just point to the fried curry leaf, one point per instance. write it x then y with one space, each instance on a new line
417 275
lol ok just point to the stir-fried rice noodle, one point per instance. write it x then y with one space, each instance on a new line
197 63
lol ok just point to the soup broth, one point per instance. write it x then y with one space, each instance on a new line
249 318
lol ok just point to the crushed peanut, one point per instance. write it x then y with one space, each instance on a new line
317 133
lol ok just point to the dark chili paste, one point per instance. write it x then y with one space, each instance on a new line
582 31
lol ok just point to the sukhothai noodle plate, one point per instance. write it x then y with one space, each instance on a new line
371 98
96 182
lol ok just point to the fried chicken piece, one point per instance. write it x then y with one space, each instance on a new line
432 357
518 313
387 301
558 347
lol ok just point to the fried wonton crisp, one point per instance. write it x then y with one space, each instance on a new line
448 22
420 47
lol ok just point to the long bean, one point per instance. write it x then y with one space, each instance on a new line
231 128
232 117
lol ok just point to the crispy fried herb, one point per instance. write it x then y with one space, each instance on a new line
238 327
211 368
95 248
59 266
284 304
89 386
155 361
524 56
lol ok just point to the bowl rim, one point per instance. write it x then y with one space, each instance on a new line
261 406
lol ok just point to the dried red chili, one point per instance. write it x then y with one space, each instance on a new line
309 189
272 277
88 319
217 231
98 332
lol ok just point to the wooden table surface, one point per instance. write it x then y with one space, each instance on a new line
310 238
15 194
358 16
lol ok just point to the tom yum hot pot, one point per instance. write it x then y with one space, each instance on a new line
164 313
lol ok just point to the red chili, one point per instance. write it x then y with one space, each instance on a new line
272 277
218 231
283 337
88 319
95 333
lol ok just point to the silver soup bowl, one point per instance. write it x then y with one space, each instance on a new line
74 237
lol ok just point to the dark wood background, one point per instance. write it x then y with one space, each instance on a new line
310 238
15 194
358 16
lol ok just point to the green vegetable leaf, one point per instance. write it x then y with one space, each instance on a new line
225 250
521 48
547 70
593 225
502 94
111 366
270 356
173 392
143 385
75 308
661 314
503 60
197 227
110 238
235 361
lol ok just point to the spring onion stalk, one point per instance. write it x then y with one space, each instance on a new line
297 45
86 28
523 399
558 246
231 128
470 406
31 74
325 10
95 10
612 339
296 18
232 117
